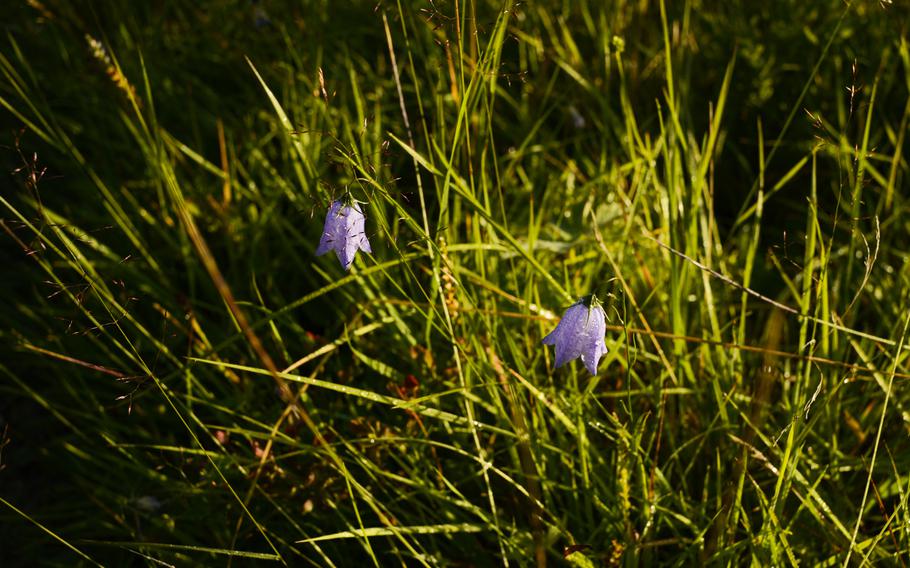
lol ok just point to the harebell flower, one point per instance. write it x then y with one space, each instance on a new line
580 333
344 232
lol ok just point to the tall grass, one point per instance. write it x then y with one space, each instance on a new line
183 382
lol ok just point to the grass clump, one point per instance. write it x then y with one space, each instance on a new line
184 382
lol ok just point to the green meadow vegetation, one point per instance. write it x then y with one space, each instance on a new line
183 382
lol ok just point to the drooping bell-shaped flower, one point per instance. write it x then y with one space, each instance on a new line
344 232
580 333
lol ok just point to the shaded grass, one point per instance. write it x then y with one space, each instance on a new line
185 382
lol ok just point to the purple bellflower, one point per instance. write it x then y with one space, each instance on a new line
580 333
344 232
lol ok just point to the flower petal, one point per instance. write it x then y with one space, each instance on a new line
551 338
591 358
365 244
345 256
325 244
330 230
